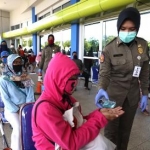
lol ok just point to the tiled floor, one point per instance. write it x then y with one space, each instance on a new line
140 135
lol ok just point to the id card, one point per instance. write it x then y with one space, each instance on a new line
136 72
53 54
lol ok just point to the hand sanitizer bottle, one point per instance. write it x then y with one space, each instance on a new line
106 103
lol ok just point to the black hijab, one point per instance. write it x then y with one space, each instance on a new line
3 47
129 13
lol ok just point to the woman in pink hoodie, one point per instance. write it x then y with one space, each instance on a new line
48 124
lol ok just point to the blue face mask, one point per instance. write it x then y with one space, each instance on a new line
127 37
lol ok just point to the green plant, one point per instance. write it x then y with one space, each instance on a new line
149 44
106 40
57 43
46 43
24 43
91 46
66 44
30 42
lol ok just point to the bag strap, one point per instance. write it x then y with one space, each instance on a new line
7 79
36 112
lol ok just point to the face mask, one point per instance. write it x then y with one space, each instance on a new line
51 42
70 86
11 46
17 69
4 60
75 57
127 37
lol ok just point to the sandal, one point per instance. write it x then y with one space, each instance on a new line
146 113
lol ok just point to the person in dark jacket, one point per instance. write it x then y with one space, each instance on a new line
4 47
12 49
83 72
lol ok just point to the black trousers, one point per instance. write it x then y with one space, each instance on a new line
118 130
86 76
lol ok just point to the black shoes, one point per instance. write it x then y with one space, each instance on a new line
87 88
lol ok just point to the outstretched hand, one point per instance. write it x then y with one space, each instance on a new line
112 113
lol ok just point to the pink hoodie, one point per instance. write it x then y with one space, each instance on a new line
49 119
38 57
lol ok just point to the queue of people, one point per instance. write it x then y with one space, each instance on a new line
57 120
29 59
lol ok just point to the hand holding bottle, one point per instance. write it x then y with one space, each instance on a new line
101 93
102 100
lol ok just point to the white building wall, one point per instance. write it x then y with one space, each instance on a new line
47 5
4 21
24 12
19 16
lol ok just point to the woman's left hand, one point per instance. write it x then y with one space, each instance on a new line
112 114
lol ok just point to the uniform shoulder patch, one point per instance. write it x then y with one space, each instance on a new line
102 58
142 42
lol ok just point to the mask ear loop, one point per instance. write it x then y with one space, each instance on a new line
72 85
67 98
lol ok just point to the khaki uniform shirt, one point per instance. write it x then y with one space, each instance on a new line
116 70
47 56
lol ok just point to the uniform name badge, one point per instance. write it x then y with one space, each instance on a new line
136 72
53 54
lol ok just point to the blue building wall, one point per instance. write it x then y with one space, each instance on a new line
74 33
34 36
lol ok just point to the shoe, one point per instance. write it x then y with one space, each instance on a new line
146 113
87 88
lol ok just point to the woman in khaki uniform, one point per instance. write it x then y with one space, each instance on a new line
124 62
